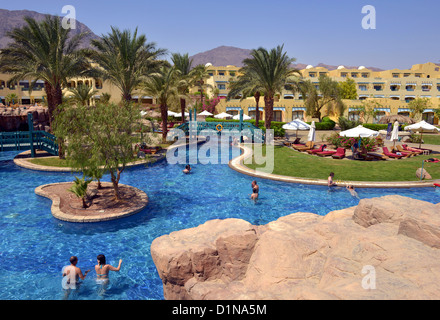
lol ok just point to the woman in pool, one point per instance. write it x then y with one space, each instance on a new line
255 189
102 268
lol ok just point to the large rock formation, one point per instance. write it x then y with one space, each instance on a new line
385 248
15 118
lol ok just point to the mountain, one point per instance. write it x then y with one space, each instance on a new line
222 56
225 55
15 19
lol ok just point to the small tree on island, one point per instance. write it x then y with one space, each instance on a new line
100 138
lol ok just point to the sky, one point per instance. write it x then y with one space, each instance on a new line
313 31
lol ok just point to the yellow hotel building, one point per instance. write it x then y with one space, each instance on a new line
393 89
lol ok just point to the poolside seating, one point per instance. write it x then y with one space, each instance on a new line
377 156
308 146
326 153
340 154
405 147
296 142
319 149
403 151
390 154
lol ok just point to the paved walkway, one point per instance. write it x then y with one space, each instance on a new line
237 164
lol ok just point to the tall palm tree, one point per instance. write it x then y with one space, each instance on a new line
44 51
201 74
125 59
246 86
164 86
82 94
268 72
186 75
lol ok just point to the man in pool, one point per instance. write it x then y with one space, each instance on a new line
71 276
73 273
187 169
330 182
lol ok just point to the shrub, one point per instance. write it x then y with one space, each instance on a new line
375 126
346 124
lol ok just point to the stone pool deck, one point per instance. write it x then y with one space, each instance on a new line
237 165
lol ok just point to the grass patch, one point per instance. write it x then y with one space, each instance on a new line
431 139
50 162
289 162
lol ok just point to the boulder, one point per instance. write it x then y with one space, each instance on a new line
384 248
425 173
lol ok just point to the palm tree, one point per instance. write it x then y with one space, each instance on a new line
164 86
44 51
82 95
268 72
186 75
200 74
125 59
246 86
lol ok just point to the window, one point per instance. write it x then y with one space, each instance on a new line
312 74
365 75
222 86
377 87
343 74
395 75
363 87
354 75
232 74
297 115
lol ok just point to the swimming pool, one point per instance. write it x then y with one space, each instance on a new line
34 246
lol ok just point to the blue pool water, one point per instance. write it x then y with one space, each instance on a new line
34 246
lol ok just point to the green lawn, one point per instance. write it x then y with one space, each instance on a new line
292 163
50 162
431 139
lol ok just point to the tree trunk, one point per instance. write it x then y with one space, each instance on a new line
268 111
164 115
182 108
257 110
126 97
84 202
115 182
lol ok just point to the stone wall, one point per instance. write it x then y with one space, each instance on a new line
306 256
15 118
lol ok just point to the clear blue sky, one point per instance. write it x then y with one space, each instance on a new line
312 31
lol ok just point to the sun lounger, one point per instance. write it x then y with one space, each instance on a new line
409 153
340 154
326 153
319 149
422 150
390 154
377 156
308 146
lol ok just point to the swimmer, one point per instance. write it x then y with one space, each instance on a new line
330 182
352 191
255 189
71 276
187 169
102 268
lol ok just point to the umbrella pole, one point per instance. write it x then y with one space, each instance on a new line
421 137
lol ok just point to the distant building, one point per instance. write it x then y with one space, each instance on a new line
393 89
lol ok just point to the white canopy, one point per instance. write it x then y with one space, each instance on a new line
245 117
179 115
296 124
223 115
422 125
359 131
171 113
205 113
